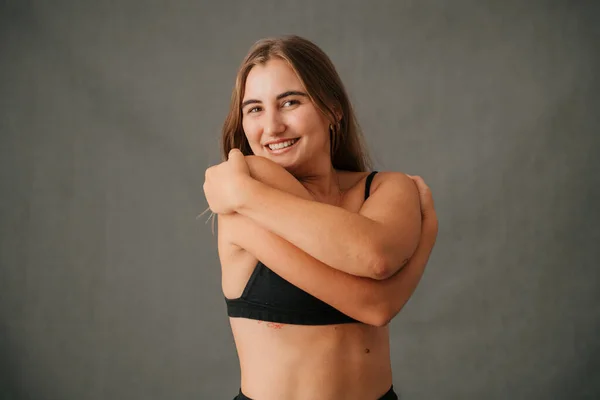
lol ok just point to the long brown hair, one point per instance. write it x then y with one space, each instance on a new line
325 89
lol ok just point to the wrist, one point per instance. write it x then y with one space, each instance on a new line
244 189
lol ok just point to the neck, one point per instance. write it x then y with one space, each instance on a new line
324 185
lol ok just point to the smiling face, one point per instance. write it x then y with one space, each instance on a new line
277 110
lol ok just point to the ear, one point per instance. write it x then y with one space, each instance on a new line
337 112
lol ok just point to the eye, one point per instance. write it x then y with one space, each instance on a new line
253 110
289 103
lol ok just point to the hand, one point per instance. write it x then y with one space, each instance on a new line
224 183
429 217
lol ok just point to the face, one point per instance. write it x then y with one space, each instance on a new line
280 121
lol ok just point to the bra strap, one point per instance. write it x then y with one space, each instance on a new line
368 184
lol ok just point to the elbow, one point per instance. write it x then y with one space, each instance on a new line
382 313
386 264
379 317
380 267
379 307
381 320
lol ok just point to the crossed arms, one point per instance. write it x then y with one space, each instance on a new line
364 279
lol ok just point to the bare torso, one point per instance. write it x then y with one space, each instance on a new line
295 362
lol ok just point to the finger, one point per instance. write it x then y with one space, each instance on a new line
425 196
419 183
426 199
235 152
238 161
236 157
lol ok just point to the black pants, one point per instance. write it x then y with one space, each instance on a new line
389 395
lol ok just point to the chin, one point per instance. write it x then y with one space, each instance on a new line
281 163
289 166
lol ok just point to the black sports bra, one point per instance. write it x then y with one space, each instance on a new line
269 297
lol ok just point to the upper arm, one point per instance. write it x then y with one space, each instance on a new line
394 204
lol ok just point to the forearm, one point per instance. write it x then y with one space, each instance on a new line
373 302
393 293
355 296
344 240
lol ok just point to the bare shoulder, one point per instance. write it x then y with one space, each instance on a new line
392 193
398 180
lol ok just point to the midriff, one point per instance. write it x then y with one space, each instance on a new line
296 362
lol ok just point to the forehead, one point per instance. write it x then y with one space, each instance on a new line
270 79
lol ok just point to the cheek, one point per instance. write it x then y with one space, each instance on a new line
306 122
313 125
250 131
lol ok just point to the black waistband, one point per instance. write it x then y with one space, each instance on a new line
389 395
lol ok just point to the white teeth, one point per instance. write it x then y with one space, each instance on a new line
282 145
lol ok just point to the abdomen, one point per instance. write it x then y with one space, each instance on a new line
349 361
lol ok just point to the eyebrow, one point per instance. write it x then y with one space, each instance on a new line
279 97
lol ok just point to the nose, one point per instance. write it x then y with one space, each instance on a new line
273 123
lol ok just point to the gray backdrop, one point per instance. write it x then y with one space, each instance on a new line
111 112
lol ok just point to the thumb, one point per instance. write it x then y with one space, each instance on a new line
236 158
235 152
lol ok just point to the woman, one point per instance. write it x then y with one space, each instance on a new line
341 248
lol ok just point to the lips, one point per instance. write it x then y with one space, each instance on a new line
280 143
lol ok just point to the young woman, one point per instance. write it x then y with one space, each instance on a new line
318 253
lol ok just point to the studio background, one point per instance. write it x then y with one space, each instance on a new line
111 111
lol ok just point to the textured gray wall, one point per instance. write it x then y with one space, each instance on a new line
111 111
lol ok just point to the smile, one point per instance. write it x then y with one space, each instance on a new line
281 146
